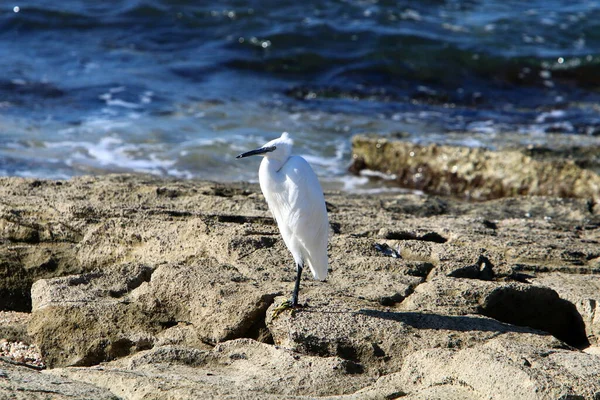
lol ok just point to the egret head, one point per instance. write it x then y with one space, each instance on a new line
277 149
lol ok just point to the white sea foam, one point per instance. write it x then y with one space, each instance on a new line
111 101
117 89
378 174
552 115
122 103
29 173
384 189
326 162
352 182
468 142
180 174
111 152
104 124
363 185
487 126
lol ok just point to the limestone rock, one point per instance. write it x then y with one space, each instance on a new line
581 290
474 173
504 368
86 319
514 303
240 368
23 383
377 338
160 288
13 326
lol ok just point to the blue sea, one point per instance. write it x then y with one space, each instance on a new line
179 88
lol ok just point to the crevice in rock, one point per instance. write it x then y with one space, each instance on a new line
246 245
352 367
94 356
241 219
111 349
167 192
259 332
19 364
482 269
520 277
255 326
336 227
396 298
539 308
330 207
395 395
421 270
143 274
169 323
17 299
226 191
170 213
392 300
518 268
428 237
377 350
490 224
82 279
21 266
314 345
346 350
120 348
433 237
590 206
29 233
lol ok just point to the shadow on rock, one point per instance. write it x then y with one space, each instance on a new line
461 323
539 308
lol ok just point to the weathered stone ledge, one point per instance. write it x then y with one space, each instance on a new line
476 173
145 288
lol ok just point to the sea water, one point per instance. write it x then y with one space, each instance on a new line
179 88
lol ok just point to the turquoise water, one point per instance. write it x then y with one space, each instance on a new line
178 89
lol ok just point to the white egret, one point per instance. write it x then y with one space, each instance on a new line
296 200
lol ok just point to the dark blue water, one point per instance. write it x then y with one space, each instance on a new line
177 88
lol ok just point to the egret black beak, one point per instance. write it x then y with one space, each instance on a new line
262 150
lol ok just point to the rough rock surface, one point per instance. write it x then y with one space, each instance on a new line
581 290
532 370
144 288
20 382
475 173
241 368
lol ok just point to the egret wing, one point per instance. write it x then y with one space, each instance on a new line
304 215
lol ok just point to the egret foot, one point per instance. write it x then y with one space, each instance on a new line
292 303
286 305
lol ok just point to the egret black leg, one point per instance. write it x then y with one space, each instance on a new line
294 300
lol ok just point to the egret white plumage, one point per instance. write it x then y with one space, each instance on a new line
295 198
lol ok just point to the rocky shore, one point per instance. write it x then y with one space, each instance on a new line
135 287
481 174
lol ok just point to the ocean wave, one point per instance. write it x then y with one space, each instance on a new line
180 88
113 153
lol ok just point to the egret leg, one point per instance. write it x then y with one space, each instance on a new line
294 299
293 302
